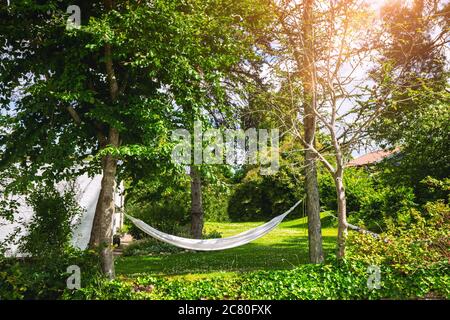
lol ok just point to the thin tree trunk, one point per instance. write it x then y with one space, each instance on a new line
196 204
313 209
342 211
311 184
101 234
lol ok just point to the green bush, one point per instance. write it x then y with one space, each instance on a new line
213 234
11 279
170 217
41 274
102 289
358 185
370 200
258 198
33 278
50 230
165 205
408 246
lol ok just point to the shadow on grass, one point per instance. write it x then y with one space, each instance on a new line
287 254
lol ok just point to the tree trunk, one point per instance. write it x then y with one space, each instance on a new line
101 234
102 228
313 209
342 211
196 204
309 123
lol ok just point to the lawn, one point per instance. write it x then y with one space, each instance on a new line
284 248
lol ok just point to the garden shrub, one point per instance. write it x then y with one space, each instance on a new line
408 247
50 230
370 201
42 272
166 205
33 279
258 198
101 288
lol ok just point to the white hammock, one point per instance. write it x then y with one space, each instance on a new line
213 244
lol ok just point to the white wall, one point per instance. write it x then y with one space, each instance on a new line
87 192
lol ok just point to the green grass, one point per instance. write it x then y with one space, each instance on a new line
284 248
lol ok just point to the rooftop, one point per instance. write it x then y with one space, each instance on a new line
372 157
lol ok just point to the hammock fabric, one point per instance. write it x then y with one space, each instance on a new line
213 244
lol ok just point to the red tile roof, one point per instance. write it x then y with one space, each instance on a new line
372 157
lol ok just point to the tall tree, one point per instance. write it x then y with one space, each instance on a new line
84 98
415 47
309 126
342 100
296 23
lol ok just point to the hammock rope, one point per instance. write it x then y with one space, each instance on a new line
213 244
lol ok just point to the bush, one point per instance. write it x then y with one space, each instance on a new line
213 234
258 197
50 230
44 278
42 273
102 289
370 201
166 207
408 247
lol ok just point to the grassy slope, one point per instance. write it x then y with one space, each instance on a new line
283 248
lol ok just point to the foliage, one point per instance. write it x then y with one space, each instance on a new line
50 230
439 188
44 278
171 59
417 72
416 114
41 274
408 247
424 152
164 201
344 280
217 190
258 197
371 201
102 289
165 207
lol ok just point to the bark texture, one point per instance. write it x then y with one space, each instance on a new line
309 123
196 204
101 234
342 212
